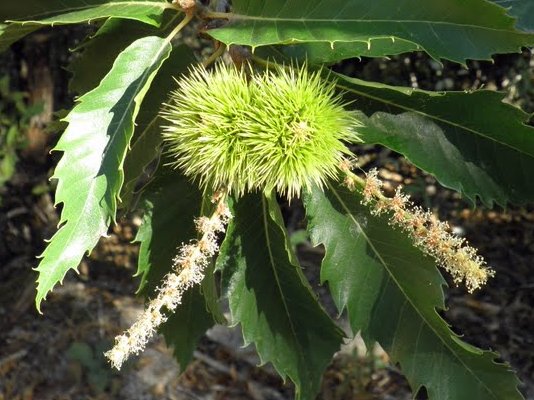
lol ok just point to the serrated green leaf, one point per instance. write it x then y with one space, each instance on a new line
471 142
451 30
271 299
522 9
170 206
29 15
392 293
94 144
147 137
326 53
76 11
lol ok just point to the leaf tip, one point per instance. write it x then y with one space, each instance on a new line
39 299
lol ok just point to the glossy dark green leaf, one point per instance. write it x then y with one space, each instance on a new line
471 142
170 205
453 30
392 293
94 145
271 299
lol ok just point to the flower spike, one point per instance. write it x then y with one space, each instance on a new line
188 270
430 235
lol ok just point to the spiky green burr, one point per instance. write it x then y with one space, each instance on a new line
284 129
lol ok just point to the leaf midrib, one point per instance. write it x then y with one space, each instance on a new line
400 287
142 82
430 116
277 279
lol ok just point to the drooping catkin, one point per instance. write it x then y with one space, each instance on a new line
188 270
429 234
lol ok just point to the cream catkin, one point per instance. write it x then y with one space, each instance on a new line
188 270
430 235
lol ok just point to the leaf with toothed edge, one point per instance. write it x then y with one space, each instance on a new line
392 292
26 16
57 12
94 145
271 298
471 142
455 31
326 53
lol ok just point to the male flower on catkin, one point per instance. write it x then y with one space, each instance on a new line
188 270
430 235
281 130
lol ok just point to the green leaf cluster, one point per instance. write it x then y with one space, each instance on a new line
392 294
112 159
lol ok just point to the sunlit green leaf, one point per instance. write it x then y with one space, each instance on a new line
27 16
94 146
105 45
74 11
